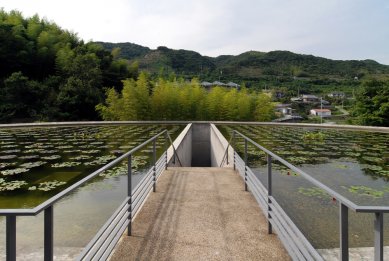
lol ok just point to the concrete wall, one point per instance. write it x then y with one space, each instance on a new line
201 149
218 149
183 146
200 145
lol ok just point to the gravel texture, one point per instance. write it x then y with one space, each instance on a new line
200 214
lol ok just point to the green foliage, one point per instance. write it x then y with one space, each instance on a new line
182 100
372 104
313 137
273 68
264 110
47 73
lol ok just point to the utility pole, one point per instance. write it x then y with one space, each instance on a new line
321 108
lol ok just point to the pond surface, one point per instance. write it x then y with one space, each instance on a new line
37 163
353 163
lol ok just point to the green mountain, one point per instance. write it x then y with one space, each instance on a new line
248 66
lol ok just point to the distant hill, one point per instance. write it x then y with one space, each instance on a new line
248 66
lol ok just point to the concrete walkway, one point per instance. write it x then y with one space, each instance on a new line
200 214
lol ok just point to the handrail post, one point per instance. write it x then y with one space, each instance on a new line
11 238
154 167
245 165
269 193
379 236
343 232
166 147
233 148
129 194
49 234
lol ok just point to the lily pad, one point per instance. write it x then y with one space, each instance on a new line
49 185
365 191
11 185
68 164
11 172
52 157
7 157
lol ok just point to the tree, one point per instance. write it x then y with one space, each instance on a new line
264 110
372 104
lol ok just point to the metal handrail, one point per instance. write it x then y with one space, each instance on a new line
174 149
344 204
47 206
344 200
225 155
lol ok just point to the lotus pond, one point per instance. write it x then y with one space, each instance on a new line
353 163
37 163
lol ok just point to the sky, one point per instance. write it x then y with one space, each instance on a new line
335 29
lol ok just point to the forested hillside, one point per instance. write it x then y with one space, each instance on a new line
47 73
249 66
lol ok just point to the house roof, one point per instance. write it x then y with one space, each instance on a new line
321 110
206 84
232 84
218 83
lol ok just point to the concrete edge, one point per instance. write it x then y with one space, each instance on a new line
224 144
308 125
177 142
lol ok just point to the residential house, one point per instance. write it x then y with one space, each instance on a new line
321 112
309 98
338 95
284 109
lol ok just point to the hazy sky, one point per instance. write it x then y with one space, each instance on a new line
336 29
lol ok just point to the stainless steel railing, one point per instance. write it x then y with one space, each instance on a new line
298 247
101 246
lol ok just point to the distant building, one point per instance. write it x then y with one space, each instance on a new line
296 99
217 83
289 118
321 112
336 95
308 98
284 109
208 85
233 85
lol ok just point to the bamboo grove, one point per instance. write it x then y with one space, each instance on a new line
176 99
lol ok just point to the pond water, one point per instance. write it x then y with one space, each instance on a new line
353 163
37 163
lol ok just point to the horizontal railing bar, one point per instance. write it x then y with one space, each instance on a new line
107 241
289 245
339 197
142 182
159 171
262 191
275 214
257 182
103 229
291 224
113 243
136 198
159 164
110 236
260 200
136 206
63 193
98 246
372 209
18 212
